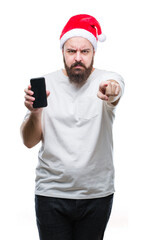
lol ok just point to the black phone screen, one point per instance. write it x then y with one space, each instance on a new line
39 88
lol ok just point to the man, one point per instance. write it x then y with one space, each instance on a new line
75 175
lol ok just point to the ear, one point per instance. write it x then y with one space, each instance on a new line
63 51
93 51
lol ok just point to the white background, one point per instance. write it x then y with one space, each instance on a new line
29 47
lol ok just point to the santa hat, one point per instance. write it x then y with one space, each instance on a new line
82 25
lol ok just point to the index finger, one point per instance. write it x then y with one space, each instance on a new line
103 86
28 90
29 87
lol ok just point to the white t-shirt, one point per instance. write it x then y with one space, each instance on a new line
76 157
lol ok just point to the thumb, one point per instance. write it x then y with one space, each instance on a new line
47 93
102 87
102 96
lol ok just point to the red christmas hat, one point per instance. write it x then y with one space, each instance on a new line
82 25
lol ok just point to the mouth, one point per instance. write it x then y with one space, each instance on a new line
78 66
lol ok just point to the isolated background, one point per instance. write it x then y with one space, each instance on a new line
29 47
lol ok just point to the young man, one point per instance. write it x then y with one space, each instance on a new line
75 175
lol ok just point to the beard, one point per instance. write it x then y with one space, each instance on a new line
78 75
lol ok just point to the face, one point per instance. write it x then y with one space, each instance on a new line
78 55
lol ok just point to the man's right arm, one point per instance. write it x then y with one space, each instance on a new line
31 129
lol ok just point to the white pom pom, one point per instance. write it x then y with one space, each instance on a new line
101 37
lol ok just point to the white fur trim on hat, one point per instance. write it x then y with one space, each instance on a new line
79 32
101 37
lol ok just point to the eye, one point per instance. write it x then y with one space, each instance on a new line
85 51
71 51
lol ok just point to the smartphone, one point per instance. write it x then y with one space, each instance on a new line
39 88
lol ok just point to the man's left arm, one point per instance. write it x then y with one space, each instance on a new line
110 91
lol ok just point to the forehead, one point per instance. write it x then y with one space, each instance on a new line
78 43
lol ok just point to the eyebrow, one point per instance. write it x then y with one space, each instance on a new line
86 49
74 49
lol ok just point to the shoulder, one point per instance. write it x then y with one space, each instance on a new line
52 75
107 74
52 78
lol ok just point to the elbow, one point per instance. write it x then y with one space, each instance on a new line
28 144
29 141
26 141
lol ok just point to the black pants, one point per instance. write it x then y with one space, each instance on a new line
67 219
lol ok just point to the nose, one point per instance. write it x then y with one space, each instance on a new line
78 57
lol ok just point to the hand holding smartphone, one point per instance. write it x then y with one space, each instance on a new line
39 88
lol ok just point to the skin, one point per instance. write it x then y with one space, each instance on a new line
109 89
75 49
31 130
78 49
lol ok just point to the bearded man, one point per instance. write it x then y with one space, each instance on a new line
75 174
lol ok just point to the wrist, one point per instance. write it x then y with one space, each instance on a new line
36 114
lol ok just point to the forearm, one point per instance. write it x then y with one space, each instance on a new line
31 130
